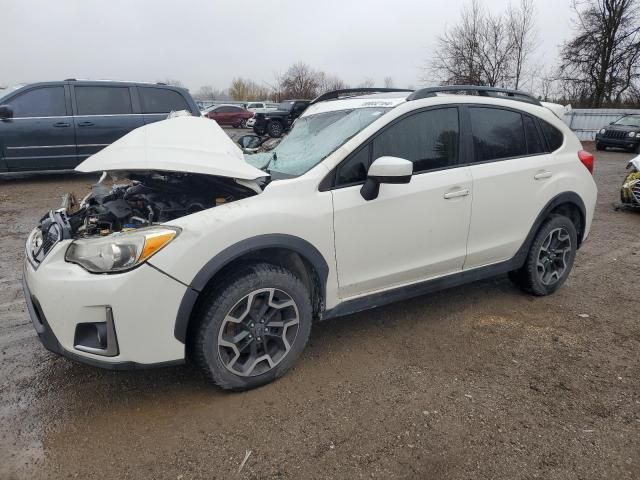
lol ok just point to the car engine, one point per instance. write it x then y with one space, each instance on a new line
148 198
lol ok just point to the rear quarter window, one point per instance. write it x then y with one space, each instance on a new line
554 137
161 100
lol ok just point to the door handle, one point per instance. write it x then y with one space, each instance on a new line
85 124
543 175
461 192
61 124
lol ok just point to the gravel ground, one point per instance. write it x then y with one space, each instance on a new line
480 381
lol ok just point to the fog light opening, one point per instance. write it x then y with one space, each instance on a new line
98 338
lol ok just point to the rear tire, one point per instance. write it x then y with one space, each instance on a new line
550 258
252 327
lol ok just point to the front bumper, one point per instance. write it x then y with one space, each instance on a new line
627 142
143 304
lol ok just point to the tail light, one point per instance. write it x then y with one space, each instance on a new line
587 160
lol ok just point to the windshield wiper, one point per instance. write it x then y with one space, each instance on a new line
273 157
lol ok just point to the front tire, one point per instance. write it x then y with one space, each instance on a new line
275 129
550 258
253 327
599 146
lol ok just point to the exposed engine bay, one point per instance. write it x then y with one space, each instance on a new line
148 198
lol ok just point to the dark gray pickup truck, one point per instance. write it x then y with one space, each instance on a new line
56 125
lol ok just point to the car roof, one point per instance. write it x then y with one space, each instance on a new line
394 99
387 99
72 81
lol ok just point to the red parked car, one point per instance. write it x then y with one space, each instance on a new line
229 115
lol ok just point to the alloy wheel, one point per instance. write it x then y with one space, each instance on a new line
553 256
258 332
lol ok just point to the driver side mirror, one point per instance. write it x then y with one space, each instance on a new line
5 112
385 170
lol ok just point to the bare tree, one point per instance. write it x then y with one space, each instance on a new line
523 36
601 63
388 82
495 50
368 82
485 48
300 81
457 52
328 83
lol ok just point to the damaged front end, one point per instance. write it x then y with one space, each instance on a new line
150 198
130 216
159 173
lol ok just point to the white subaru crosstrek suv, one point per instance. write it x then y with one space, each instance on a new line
200 253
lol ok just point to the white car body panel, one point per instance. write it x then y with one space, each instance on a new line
377 248
144 302
509 194
308 214
180 144
408 234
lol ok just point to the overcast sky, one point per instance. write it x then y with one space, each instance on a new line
209 42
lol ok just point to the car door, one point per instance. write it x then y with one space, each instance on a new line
411 232
157 103
514 177
40 134
219 114
102 115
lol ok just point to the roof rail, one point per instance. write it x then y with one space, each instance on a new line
509 94
337 93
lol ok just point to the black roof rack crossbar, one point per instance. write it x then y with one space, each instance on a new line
481 91
345 91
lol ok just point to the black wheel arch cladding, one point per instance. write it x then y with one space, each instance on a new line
243 248
308 252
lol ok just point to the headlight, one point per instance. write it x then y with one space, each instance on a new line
120 251
602 131
632 134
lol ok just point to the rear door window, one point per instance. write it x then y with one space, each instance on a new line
497 134
40 102
103 100
161 100
535 144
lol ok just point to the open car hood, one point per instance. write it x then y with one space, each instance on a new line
180 144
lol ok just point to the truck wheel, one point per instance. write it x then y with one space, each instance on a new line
599 146
274 129
550 258
252 327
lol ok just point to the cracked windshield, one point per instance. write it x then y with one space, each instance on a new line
312 139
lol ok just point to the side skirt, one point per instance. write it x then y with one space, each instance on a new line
429 286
